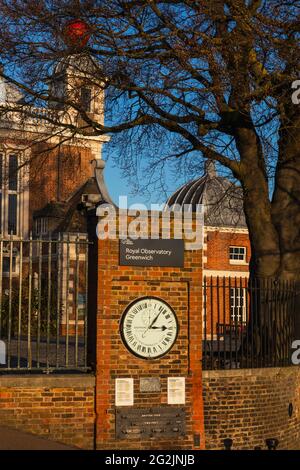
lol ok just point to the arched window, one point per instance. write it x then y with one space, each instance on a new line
85 99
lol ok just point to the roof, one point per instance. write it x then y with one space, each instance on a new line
221 198
75 219
52 209
71 214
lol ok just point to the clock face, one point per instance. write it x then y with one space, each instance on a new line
149 327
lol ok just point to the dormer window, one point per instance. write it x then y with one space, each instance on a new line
41 226
85 99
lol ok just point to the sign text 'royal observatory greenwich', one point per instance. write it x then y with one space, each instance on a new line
145 252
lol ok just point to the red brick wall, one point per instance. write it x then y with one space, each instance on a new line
250 406
117 287
73 164
217 262
60 408
217 252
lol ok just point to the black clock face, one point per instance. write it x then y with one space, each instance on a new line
149 327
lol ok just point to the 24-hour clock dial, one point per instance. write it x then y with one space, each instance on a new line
149 327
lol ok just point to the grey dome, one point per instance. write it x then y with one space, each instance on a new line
222 199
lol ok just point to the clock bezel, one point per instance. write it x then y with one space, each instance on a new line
129 306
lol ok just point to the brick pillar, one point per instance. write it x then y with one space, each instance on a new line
181 289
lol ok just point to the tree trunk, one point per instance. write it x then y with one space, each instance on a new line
265 260
275 246
286 197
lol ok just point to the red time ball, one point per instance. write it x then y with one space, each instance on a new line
77 33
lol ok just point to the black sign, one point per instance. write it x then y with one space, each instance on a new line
139 423
142 252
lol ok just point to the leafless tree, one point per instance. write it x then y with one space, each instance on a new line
212 77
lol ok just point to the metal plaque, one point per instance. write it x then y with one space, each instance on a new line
149 384
152 252
139 423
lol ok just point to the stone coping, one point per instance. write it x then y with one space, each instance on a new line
267 371
48 381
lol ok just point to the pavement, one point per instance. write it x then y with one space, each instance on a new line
12 439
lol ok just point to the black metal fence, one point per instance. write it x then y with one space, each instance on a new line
43 303
248 323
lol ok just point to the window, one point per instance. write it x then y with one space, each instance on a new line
9 257
9 194
81 306
6 264
13 173
237 254
238 304
12 214
41 226
1 190
85 99
1 169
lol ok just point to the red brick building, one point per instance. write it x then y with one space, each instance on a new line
47 175
42 166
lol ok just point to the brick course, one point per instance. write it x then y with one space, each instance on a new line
250 406
218 243
60 408
54 175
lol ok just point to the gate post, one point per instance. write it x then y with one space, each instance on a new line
92 288
148 402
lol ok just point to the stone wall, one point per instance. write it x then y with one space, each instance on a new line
60 408
252 405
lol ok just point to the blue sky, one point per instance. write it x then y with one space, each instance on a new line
115 183
118 185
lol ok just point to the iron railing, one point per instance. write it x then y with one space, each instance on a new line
43 303
248 323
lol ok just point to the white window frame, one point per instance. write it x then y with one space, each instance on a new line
5 192
15 256
235 303
238 261
41 226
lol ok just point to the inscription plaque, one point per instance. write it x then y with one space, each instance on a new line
124 392
135 423
176 390
149 384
